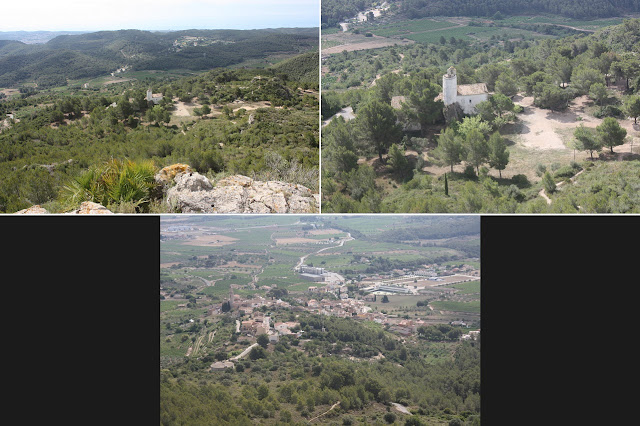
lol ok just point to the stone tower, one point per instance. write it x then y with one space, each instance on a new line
449 86
149 95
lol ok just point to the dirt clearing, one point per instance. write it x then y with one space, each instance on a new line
211 241
351 42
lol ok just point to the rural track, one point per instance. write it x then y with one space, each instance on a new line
544 195
243 353
320 415
342 241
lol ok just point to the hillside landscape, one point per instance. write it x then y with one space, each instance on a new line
556 131
320 320
80 105
81 56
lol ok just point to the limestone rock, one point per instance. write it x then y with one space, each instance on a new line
89 207
33 210
167 174
194 193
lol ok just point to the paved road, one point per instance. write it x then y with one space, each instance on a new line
346 113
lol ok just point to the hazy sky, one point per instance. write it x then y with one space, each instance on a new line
94 15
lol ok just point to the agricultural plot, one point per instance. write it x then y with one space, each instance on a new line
560 20
177 251
466 307
470 33
408 27
221 287
366 224
472 287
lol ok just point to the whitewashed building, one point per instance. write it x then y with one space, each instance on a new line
153 97
466 95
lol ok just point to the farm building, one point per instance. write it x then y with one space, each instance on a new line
312 277
311 270
221 365
392 289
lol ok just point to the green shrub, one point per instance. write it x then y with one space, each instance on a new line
608 111
521 181
565 171
112 184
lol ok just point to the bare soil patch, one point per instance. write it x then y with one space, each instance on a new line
250 105
184 109
9 92
211 240
351 42
540 136
118 80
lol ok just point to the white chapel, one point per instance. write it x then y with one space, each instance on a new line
466 95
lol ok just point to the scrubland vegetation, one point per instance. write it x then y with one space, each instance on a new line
401 151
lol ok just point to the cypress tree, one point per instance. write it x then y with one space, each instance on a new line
446 185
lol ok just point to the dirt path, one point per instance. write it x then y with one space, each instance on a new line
320 415
340 244
544 195
567 26
373 83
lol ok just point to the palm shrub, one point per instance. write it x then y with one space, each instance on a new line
116 182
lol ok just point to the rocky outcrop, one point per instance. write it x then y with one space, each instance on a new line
33 210
87 207
194 193
187 191
167 174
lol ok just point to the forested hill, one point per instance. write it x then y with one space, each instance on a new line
302 68
98 53
579 9
334 11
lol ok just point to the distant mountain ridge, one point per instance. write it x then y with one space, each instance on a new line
34 37
98 53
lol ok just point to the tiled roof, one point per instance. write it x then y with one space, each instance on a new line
467 90
472 89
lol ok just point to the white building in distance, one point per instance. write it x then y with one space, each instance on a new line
466 95
155 98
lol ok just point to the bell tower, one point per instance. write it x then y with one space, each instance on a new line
450 86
